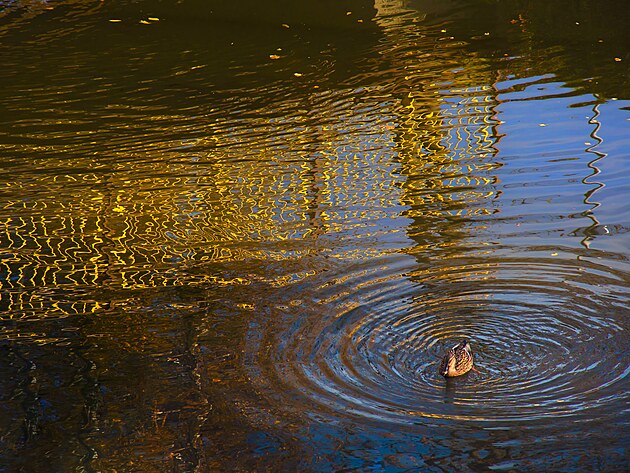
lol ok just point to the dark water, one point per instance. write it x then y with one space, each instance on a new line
238 236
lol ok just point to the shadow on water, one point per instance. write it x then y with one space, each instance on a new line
450 390
239 237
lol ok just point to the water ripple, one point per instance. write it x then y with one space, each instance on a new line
543 347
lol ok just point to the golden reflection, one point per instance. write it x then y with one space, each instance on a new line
446 155
155 217
159 217
446 135
294 176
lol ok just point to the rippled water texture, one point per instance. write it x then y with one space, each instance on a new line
241 237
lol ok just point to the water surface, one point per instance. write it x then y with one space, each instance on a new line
239 238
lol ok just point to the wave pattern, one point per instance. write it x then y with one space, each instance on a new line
543 346
277 229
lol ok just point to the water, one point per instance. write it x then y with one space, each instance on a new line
240 238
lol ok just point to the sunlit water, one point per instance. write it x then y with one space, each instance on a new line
240 239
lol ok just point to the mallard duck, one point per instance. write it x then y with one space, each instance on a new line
457 360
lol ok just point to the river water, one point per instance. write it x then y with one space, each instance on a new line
240 236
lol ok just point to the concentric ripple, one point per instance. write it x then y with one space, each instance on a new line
543 347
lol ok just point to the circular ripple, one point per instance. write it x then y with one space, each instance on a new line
548 341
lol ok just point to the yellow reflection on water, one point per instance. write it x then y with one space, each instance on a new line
140 211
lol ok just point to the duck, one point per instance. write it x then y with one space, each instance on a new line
457 360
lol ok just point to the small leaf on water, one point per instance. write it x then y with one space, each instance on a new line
274 56
145 22
554 254
284 25
618 59
542 124
152 18
115 20
297 74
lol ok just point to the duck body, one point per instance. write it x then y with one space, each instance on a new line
457 360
